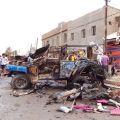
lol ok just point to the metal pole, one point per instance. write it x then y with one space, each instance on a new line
106 11
61 25
36 43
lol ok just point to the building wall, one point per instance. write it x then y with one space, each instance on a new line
56 36
95 18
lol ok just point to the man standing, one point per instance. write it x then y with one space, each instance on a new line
110 65
105 61
30 59
99 57
4 62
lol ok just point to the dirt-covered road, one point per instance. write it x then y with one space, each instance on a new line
33 107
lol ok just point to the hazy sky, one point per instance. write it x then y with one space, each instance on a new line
23 21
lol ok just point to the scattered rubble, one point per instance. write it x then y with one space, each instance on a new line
18 93
101 97
67 109
63 96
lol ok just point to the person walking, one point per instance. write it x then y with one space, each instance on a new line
99 58
105 61
30 59
110 63
4 62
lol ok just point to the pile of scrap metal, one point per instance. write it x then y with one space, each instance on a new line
39 53
84 92
18 60
43 58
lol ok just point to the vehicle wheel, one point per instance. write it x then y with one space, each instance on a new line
20 81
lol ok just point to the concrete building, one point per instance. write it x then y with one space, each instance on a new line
57 36
84 30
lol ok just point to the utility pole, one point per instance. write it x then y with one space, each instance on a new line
106 14
36 44
61 26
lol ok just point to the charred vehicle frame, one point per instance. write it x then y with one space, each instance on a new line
52 65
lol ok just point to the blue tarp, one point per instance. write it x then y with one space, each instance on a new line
16 68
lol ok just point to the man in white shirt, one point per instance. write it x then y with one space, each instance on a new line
30 59
4 62
99 57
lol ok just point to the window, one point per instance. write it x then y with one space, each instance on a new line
65 37
72 36
47 42
57 41
83 33
53 42
93 30
110 23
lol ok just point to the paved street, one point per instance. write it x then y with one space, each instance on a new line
33 107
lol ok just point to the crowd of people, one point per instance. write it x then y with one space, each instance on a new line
73 56
106 60
3 62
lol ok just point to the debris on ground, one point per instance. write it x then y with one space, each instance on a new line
67 109
100 108
84 107
101 97
115 111
18 93
63 96
115 102
115 94
49 83
39 88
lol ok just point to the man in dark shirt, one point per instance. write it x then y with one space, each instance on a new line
110 64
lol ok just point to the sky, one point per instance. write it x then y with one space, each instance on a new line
22 22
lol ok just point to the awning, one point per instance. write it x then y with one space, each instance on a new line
113 36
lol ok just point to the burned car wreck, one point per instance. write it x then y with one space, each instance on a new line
49 65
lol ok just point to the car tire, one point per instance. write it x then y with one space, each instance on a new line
20 81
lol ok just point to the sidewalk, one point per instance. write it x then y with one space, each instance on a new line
114 81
